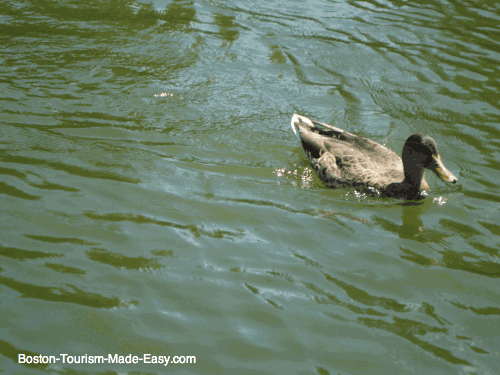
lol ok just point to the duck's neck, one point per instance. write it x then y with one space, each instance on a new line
413 176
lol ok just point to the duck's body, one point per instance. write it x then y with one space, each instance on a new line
342 159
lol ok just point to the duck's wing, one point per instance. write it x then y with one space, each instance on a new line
341 158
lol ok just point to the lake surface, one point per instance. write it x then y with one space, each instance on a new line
154 199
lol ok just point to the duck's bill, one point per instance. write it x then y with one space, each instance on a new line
440 170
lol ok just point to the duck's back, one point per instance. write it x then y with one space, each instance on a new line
342 159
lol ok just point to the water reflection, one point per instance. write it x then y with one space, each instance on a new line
470 263
69 293
410 330
22 254
227 26
121 261
412 226
179 14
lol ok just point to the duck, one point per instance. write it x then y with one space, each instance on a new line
343 159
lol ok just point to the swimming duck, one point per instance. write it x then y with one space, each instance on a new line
342 159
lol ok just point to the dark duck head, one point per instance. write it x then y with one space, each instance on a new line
419 152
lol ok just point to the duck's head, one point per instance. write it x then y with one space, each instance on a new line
421 151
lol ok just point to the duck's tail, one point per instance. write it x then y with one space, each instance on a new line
311 141
300 122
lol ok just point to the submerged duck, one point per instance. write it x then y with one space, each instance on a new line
342 159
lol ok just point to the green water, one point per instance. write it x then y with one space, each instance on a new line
155 200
